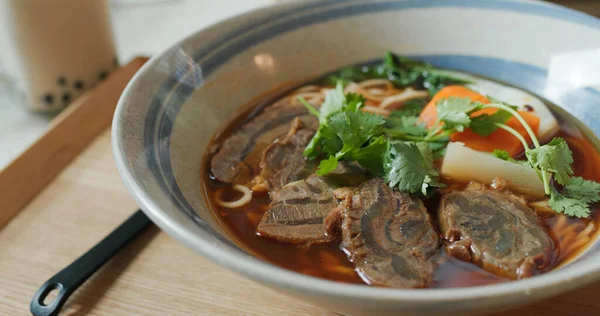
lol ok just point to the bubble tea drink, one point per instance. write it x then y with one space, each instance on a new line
63 48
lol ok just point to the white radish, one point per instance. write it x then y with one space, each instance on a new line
464 164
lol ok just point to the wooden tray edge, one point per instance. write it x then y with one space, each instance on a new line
67 135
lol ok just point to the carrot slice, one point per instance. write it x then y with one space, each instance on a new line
500 139
429 113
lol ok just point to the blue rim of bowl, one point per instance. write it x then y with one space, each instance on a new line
295 16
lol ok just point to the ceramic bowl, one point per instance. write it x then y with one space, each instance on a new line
183 97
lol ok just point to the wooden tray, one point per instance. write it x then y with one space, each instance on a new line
155 275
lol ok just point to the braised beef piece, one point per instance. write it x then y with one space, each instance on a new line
495 230
389 236
225 164
283 161
299 211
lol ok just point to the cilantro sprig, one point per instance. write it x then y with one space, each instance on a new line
555 157
575 199
409 166
453 115
347 133
402 72
551 161
402 149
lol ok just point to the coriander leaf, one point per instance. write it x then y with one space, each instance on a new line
555 157
409 120
409 125
351 135
355 128
577 195
438 148
327 165
334 101
484 124
402 72
412 126
584 190
395 62
354 101
411 107
325 139
567 205
346 75
502 154
404 166
409 167
311 150
370 156
357 74
390 61
438 145
330 142
454 112
427 154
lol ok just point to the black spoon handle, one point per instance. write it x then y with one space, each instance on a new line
71 277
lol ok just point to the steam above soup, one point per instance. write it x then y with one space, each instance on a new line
407 176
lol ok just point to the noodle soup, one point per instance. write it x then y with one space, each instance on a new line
362 222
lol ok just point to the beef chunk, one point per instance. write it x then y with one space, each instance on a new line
297 212
300 212
283 161
225 164
389 236
495 230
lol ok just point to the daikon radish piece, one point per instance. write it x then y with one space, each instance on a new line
464 164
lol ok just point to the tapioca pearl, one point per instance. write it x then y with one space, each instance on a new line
48 99
103 74
66 97
79 85
61 81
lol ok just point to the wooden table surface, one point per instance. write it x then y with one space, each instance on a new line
155 275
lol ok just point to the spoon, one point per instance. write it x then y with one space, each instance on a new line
71 277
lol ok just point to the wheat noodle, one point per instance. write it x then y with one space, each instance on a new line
245 199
